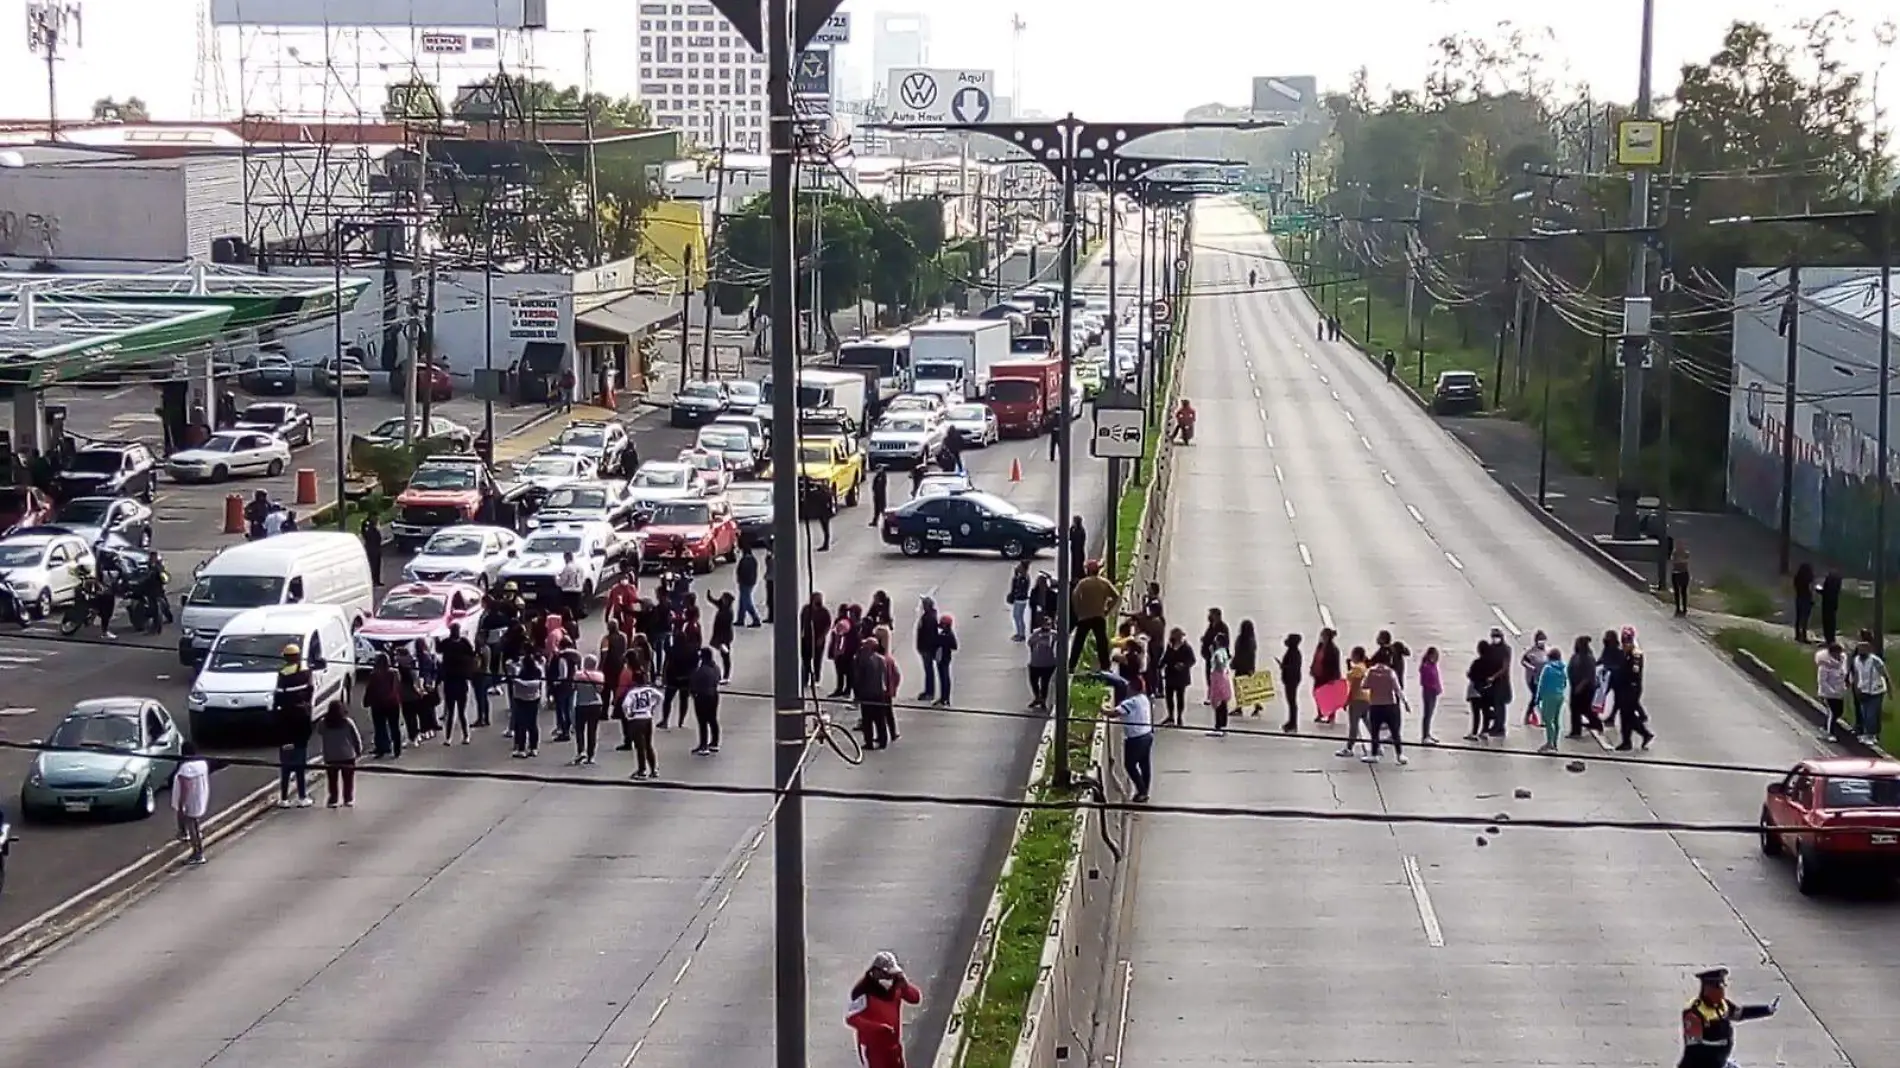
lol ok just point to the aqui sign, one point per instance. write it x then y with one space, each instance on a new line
934 96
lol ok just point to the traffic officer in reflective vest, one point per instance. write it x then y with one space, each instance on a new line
1708 1024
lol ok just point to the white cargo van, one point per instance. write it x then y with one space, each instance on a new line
234 689
308 567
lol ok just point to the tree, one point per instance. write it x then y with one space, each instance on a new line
892 254
107 109
412 100
512 99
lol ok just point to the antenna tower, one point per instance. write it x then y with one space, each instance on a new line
209 99
1016 28
51 27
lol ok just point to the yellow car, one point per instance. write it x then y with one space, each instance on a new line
832 458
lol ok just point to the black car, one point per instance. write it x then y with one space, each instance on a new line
110 469
698 403
975 520
752 507
1458 391
282 418
268 373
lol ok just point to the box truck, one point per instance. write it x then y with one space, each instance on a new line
1026 395
953 357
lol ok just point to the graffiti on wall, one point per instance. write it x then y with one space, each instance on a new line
28 234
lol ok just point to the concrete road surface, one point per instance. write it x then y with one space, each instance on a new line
1315 494
480 923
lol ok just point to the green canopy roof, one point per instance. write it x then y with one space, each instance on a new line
46 341
255 300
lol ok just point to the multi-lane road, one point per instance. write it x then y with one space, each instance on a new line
1315 494
476 922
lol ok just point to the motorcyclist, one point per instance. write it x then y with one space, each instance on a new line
1183 430
256 511
12 609
876 1012
151 586
96 594
1708 1024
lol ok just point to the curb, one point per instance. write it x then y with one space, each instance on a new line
103 899
1617 569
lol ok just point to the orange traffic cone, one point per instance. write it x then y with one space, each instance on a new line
1015 470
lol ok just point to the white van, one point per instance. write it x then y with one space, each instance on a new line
235 687
307 567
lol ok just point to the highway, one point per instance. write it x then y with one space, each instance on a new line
1316 494
483 923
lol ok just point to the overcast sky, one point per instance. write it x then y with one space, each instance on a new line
1106 59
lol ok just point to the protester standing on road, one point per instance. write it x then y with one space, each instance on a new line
841 648
590 707
746 575
1868 673
1431 685
1830 683
876 1013
1803 599
1077 548
1044 657
342 746
526 689
291 711
880 495
1384 696
1358 700
1090 605
873 680
1176 660
928 633
1679 577
1553 685
1220 685
1043 599
1215 633
1018 600
1325 671
1292 663
457 658
191 799
636 719
1626 690
372 536
1478 692
704 684
382 695
1246 659
814 627
1582 671
943 654
1533 662
1055 439
722 632
818 505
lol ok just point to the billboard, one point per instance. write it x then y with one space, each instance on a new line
811 75
932 96
1286 95
346 14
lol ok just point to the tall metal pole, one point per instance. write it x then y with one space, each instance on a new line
1791 319
488 330
1142 297
686 313
1629 440
336 361
1065 505
712 245
788 720
1885 221
1110 507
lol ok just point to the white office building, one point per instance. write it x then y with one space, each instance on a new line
898 40
699 76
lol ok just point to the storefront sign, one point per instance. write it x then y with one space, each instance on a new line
534 319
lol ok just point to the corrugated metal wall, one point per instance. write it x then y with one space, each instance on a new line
214 201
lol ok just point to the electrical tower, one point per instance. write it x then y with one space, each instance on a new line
208 95
51 27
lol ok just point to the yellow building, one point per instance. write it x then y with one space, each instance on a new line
674 236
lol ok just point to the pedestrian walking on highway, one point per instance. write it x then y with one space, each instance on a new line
1136 715
1018 600
704 684
1830 683
1044 657
1831 605
1431 685
526 690
746 575
1177 661
191 799
1626 690
342 746
1868 674
591 695
1553 685
1803 599
1389 361
1679 577
1385 696
1582 671
1220 685
1090 604
1358 701
928 632
1292 665
876 1013
636 720
880 495
942 655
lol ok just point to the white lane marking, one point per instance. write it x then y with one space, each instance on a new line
1324 381
1305 556
1422 898
1454 561
1269 436
1335 394
1278 475
1349 418
1290 514
1256 390
1366 441
1389 480
1326 618
1510 628
1263 418
1417 516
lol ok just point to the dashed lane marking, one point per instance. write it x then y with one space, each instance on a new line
1335 394
1256 390
1389 480
1290 514
1422 900
1454 561
1366 441
1278 475
1324 381
1326 618
1305 556
1417 516
1269 437
1349 418
1509 627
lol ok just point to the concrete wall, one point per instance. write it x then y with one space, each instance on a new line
130 211
1835 419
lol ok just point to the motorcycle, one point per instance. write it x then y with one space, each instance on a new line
82 610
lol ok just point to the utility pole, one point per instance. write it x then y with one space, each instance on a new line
686 311
417 271
425 344
488 326
712 246
49 24
1635 311
1411 275
1791 331
1504 321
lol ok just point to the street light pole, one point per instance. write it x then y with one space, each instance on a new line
1635 346
336 361
1881 474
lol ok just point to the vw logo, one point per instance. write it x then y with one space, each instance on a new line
918 90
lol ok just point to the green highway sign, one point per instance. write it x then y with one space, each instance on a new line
1292 224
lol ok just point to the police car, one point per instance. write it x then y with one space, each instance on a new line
973 520
602 552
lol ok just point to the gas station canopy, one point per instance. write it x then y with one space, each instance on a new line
46 341
255 300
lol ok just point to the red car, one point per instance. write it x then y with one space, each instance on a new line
697 533
1835 815
23 506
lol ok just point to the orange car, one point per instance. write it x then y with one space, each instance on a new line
1836 815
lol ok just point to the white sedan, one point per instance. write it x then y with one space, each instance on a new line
42 569
552 470
976 422
467 553
230 453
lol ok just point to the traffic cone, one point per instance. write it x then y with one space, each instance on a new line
1015 469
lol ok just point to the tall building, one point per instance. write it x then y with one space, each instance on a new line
699 76
898 40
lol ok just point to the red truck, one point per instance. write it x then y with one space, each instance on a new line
1026 395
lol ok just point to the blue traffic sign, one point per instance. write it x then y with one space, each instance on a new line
971 104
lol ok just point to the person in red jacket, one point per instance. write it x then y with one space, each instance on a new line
877 1012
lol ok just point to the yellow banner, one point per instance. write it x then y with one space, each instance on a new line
1254 689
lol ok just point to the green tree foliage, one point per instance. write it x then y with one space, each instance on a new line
892 254
131 109
1492 146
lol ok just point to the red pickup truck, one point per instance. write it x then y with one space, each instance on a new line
1026 395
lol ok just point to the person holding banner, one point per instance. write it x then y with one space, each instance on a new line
1330 691
1245 663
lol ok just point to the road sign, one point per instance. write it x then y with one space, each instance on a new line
1160 311
1639 143
927 95
1120 434
811 75
1181 264
836 30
